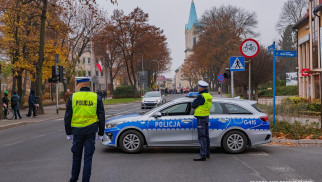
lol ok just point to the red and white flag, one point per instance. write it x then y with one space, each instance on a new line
99 66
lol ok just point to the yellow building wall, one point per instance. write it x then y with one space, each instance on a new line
302 31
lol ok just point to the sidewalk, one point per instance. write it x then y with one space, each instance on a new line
50 114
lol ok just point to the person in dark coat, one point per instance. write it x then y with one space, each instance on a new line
15 104
5 100
32 104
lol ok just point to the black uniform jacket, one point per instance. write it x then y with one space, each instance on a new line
200 100
100 125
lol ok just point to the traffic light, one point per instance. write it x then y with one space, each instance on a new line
61 74
53 78
227 75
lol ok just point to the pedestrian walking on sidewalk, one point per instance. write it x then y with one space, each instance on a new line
202 105
15 104
32 104
5 100
219 90
84 115
67 94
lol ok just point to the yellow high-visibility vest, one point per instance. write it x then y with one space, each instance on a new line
84 109
204 110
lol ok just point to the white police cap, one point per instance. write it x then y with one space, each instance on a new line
202 83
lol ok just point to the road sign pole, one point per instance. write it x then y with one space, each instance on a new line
274 83
250 78
232 84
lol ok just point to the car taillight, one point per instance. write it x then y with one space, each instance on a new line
264 118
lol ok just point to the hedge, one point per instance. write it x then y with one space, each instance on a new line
280 91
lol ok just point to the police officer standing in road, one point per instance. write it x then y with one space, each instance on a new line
84 115
202 105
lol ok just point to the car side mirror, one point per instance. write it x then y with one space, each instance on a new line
157 115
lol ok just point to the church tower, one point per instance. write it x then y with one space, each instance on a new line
191 34
191 30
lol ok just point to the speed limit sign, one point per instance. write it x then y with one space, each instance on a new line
249 48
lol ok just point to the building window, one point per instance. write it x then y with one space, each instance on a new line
89 73
194 41
96 73
84 60
102 73
89 60
315 31
102 86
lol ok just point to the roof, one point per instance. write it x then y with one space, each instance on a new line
301 22
317 8
193 19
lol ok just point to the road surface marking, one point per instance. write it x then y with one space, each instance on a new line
38 136
8 145
255 172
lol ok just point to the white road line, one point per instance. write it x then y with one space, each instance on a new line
255 172
38 136
8 145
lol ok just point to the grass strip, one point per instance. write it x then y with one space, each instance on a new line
120 101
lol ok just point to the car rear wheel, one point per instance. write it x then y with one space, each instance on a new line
131 141
234 142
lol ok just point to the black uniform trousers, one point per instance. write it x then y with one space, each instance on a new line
203 135
84 142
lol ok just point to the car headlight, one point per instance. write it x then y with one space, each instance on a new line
142 101
112 125
159 100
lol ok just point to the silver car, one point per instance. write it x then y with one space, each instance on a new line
233 125
152 99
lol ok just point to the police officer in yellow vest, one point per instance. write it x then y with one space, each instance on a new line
85 115
202 105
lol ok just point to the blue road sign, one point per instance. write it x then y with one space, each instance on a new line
237 63
220 77
286 53
270 48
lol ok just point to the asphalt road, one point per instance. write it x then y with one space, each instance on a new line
40 152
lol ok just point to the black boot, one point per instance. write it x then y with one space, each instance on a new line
199 158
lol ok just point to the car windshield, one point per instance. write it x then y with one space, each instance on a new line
152 94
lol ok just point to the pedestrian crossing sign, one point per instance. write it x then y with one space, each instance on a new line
237 63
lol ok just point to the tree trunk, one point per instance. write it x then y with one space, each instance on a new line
19 86
14 84
111 80
41 58
256 93
24 90
1 108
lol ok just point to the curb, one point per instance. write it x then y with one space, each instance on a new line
299 142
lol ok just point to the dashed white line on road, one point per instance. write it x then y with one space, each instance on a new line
8 145
38 136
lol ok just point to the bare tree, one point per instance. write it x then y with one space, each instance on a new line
292 12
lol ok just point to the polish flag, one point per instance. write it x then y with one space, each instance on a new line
99 66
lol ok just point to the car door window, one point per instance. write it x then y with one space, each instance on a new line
234 109
216 108
179 109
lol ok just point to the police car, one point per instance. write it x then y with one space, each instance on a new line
233 125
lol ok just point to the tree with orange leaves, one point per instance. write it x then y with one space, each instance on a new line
140 44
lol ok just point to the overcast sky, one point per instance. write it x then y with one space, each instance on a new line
172 15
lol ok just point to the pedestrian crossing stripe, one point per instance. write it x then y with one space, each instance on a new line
237 65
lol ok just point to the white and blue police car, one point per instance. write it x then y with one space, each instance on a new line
233 125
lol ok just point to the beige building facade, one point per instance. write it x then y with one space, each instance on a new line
309 50
87 65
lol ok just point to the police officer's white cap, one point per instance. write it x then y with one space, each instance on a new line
203 84
82 79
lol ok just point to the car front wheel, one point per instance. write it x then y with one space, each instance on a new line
131 141
234 142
